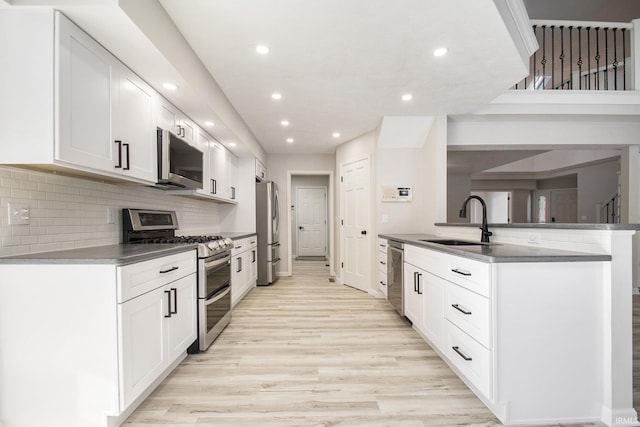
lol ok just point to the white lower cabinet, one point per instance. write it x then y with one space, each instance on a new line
155 326
382 266
110 334
244 267
520 335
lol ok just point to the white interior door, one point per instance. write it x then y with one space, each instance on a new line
498 207
355 223
312 221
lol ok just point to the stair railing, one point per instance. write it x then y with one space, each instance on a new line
576 55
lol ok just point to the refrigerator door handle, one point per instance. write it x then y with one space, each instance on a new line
276 213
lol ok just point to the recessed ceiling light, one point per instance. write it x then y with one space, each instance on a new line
231 144
262 49
407 97
276 95
169 86
441 51
210 124
285 123
290 140
336 134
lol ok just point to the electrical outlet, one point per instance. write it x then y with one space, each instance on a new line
19 214
111 215
534 238
385 218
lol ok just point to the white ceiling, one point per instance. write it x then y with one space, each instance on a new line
341 66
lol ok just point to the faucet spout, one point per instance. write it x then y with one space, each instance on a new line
485 228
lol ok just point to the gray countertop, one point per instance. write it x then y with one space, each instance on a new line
553 225
112 254
238 234
498 252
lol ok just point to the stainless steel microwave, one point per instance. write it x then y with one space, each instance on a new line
180 165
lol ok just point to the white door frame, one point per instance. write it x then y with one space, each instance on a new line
326 216
330 216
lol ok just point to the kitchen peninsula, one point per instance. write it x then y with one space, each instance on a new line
537 323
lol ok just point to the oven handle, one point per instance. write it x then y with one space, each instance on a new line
218 296
218 262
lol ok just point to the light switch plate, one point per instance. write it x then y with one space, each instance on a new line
19 214
111 216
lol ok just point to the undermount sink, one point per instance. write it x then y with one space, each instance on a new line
453 242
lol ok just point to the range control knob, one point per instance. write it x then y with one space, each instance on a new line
228 242
213 245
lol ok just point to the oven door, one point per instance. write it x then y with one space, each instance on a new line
215 272
214 314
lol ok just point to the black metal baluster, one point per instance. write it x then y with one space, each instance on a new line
624 62
562 82
570 57
579 63
535 70
553 57
597 81
606 58
544 54
615 59
588 58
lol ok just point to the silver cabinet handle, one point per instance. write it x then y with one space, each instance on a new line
169 270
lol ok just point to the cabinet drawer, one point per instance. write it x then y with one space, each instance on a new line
382 245
244 244
382 278
136 279
382 282
471 274
425 259
470 312
382 261
472 359
252 242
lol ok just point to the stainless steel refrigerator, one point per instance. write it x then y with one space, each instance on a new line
267 223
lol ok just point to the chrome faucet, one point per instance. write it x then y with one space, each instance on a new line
485 228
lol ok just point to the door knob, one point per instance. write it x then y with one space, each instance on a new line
301 228
363 232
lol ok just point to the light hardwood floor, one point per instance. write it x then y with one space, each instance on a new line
309 352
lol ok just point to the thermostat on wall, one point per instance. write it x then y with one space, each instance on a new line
392 193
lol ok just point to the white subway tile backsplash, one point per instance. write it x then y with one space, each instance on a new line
68 212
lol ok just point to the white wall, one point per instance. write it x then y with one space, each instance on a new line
69 213
531 134
424 169
305 181
278 167
596 183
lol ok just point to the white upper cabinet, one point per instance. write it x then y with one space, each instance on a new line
134 124
234 167
85 91
93 114
220 170
173 120
261 171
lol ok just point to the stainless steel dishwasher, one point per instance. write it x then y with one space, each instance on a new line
395 264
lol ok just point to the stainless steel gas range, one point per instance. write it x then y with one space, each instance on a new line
214 266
